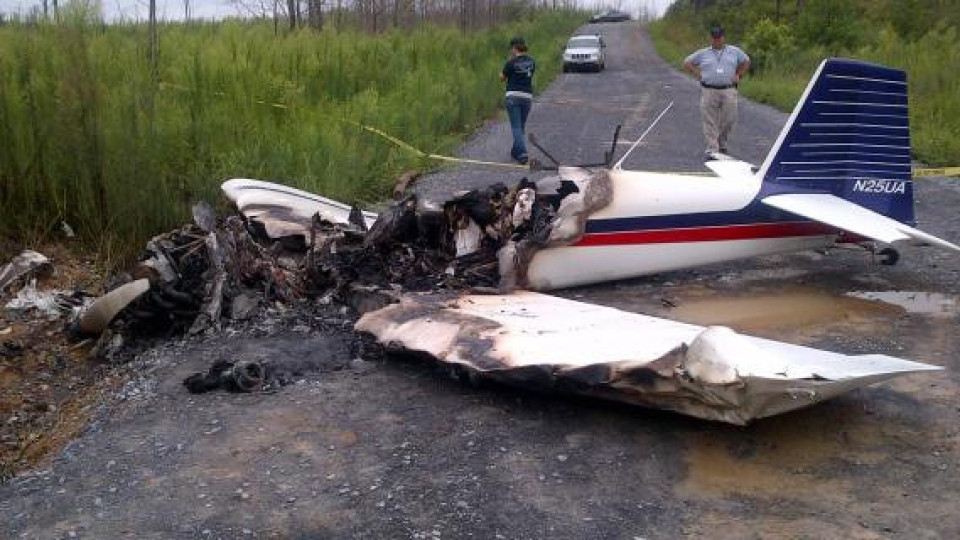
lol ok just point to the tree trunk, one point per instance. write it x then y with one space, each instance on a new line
154 48
292 13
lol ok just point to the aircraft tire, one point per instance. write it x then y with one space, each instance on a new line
889 256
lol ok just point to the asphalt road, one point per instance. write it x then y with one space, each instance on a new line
575 118
396 449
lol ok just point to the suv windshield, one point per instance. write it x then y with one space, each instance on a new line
583 43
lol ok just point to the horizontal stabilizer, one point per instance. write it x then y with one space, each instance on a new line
853 218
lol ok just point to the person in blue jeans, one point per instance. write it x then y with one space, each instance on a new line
518 74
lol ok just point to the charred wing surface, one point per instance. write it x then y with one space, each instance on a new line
540 341
285 211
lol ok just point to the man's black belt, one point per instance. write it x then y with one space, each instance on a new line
717 86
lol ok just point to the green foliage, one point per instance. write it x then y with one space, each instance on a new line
769 43
88 137
913 18
898 33
834 25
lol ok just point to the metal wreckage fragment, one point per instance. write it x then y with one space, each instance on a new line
23 265
548 343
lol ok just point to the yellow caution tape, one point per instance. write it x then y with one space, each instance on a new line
415 150
917 173
943 171
375 131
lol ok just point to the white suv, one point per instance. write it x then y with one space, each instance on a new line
586 51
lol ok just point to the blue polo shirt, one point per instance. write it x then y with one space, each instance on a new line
717 67
519 73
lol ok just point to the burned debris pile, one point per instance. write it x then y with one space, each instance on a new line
287 247
287 250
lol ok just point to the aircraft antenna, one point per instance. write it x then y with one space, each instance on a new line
639 139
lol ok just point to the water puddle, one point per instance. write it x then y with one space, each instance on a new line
805 308
924 303
782 311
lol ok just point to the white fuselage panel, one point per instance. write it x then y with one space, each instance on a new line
645 194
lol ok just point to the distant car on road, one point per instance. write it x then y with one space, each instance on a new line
585 51
611 15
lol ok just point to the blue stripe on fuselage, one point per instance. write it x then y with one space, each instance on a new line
755 212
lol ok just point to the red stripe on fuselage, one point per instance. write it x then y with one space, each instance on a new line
753 231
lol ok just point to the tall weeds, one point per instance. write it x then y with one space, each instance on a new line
88 138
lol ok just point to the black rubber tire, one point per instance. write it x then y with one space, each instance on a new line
249 376
889 256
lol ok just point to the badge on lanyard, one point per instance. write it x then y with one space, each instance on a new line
720 66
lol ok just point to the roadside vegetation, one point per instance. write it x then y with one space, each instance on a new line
96 136
787 40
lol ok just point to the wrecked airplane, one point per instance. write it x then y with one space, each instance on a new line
584 226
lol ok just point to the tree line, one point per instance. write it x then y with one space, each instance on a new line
370 15
379 15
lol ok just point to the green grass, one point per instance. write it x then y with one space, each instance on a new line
928 55
88 138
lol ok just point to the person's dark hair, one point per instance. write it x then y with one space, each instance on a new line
519 44
716 31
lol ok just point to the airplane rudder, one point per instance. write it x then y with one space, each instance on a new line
850 136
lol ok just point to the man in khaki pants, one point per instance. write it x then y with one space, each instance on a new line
719 68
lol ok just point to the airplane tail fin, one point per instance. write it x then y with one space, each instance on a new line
848 136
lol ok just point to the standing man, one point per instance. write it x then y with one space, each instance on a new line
518 74
719 68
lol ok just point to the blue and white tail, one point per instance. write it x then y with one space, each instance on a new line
848 136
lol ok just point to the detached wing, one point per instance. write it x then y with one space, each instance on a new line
545 342
853 218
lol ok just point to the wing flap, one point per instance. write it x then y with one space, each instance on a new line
853 218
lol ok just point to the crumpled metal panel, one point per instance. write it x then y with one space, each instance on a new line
549 343
22 265
283 210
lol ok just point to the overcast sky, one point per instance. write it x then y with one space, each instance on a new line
173 9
